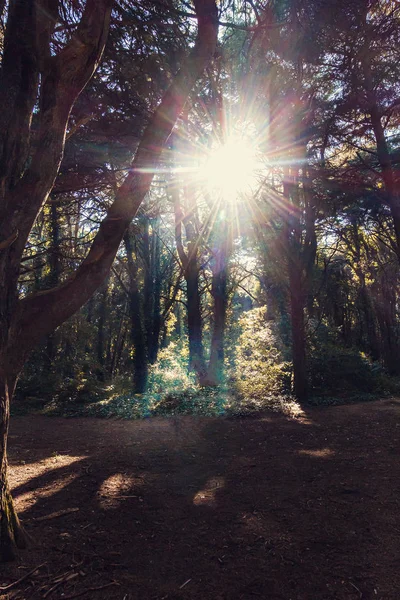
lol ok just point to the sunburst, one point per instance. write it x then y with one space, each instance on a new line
231 170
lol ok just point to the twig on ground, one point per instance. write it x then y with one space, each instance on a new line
54 515
62 579
5 588
183 584
356 588
92 589
110 497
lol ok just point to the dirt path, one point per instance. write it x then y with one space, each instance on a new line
221 509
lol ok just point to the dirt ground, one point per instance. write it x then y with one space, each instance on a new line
198 508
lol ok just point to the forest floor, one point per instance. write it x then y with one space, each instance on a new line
186 508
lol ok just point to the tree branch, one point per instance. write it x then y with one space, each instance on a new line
42 313
64 77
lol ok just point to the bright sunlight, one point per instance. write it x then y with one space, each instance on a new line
232 169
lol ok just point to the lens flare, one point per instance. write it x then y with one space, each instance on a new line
231 169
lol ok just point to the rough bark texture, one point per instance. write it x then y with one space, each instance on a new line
23 188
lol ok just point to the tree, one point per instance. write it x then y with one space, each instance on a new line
41 62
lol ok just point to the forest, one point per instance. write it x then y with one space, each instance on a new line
199 280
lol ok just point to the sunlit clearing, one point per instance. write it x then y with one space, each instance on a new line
207 494
232 169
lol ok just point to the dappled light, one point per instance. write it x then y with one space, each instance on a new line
28 499
207 495
118 487
24 470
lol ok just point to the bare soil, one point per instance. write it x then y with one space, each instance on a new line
187 508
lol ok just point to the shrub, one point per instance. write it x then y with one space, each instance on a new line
259 370
334 369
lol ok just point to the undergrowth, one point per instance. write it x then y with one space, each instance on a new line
258 378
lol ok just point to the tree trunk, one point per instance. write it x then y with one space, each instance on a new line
191 273
115 349
382 148
140 365
138 336
297 302
101 324
154 340
146 248
219 283
11 533
387 320
215 369
195 322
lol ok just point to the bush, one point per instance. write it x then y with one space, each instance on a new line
259 370
333 369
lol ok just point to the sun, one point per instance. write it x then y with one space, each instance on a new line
231 169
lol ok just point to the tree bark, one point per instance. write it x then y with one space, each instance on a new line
11 532
195 322
301 250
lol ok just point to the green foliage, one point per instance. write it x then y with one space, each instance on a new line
200 401
259 371
340 375
332 368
